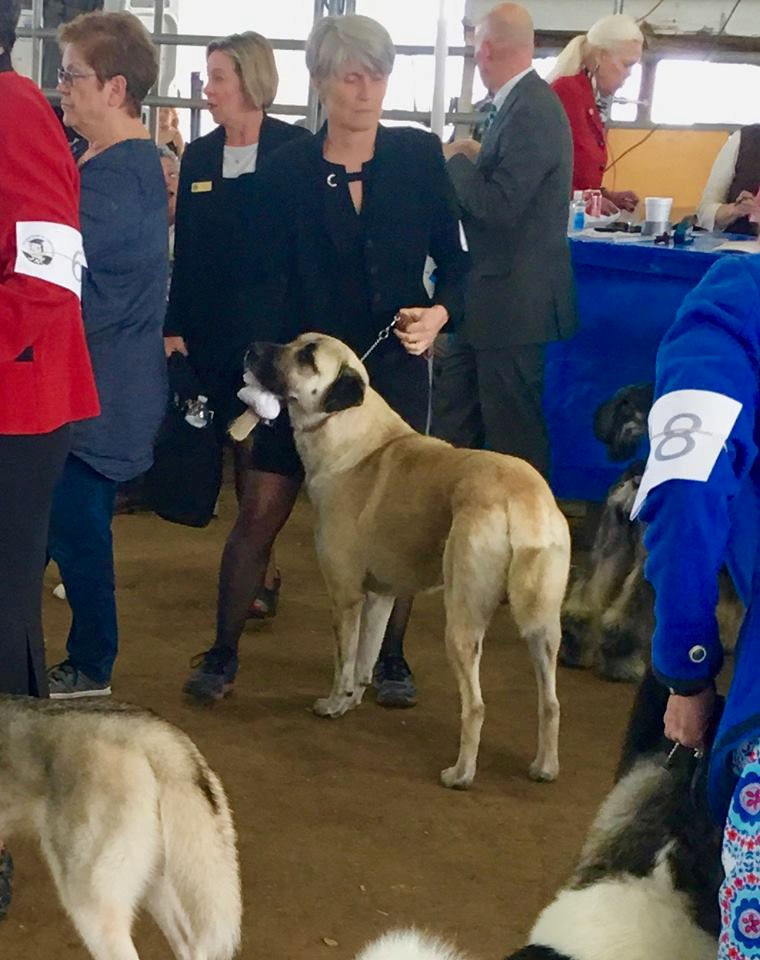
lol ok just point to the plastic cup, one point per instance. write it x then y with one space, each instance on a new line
658 209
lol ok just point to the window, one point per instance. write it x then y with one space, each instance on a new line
695 91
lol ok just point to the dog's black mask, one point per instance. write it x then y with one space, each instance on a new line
260 359
347 390
621 422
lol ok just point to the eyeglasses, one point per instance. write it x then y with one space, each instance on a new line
66 78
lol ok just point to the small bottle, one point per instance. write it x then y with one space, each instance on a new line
198 413
577 220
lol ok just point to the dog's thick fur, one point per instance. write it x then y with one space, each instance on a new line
608 615
399 513
128 815
646 886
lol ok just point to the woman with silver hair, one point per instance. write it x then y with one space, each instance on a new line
350 216
590 69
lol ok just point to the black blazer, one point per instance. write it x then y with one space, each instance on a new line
216 228
514 203
409 212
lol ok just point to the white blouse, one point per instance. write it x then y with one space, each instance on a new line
719 182
239 160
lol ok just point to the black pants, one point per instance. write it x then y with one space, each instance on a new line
491 399
29 469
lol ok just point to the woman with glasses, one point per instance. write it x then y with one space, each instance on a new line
109 64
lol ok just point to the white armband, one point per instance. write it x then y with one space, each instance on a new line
52 252
687 431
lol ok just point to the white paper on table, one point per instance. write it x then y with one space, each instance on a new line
52 252
687 431
739 246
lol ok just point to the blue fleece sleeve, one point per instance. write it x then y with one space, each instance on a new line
713 345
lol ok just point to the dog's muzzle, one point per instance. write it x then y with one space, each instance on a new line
261 359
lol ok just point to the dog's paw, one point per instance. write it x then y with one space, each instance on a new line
452 778
576 650
335 705
543 772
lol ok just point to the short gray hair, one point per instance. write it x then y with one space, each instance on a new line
335 41
165 153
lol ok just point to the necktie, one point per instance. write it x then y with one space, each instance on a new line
489 113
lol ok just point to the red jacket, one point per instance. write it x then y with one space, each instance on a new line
589 141
45 374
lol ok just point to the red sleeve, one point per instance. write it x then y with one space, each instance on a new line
39 182
589 147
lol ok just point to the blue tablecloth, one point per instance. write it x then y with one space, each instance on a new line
628 295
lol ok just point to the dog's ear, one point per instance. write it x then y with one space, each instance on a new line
347 390
604 419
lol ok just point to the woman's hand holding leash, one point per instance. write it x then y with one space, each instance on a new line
417 327
688 718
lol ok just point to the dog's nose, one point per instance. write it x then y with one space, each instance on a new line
255 352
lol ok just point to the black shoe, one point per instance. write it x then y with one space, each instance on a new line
213 675
394 683
6 882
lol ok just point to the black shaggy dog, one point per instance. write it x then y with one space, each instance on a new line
608 615
647 880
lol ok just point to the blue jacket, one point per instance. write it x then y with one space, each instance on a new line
125 233
693 528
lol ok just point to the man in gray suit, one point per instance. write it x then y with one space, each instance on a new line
514 191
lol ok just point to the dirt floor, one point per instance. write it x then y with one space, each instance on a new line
344 829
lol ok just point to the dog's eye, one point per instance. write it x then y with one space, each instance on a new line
305 356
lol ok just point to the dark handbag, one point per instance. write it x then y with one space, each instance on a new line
183 484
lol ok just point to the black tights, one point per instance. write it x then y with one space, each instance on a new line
265 503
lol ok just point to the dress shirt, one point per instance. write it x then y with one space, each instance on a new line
719 182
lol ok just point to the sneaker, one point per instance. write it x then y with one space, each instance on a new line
6 882
65 682
394 683
213 676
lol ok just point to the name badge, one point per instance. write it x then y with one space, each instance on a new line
202 186
51 252
687 431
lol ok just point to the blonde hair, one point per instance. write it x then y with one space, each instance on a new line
605 34
334 41
253 57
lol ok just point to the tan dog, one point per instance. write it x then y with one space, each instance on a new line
399 513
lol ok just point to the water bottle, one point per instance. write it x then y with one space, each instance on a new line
577 219
198 413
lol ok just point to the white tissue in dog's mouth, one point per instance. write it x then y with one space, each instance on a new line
265 404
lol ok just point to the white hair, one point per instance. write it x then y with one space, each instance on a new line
409 945
606 34
335 41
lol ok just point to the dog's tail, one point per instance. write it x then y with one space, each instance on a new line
409 945
197 894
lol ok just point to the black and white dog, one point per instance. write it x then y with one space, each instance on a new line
646 885
608 614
